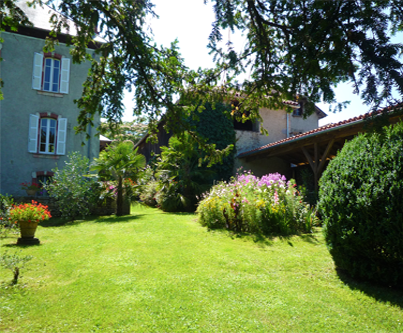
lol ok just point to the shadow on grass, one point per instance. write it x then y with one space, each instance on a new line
19 246
310 238
115 219
268 240
260 239
378 292
60 222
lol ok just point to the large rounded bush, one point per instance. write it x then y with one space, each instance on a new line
361 203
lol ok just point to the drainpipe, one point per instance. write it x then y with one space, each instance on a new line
89 142
288 124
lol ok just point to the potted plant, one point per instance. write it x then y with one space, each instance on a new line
28 215
30 188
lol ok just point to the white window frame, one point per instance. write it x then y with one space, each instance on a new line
34 141
52 82
38 75
47 143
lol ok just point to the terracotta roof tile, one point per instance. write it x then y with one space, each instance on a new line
323 128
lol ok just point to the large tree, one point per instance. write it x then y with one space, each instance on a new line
294 48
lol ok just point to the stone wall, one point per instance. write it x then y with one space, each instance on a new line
107 207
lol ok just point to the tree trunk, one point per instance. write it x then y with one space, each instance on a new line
119 199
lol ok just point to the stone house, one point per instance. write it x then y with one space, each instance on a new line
279 123
38 113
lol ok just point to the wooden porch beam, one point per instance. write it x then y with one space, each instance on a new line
324 156
309 158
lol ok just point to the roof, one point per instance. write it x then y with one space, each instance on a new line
39 16
103 138
320 130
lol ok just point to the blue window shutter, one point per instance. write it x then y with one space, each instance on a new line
33 133
65 76
61 136
37 71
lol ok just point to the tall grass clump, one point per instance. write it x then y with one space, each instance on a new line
268 205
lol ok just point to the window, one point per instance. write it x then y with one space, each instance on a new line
51 73
247 125
47 134
42 177
298 112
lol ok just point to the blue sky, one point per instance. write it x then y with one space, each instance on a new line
190 23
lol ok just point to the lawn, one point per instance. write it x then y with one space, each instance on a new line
159 272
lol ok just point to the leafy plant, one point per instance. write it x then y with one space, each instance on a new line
360 201
74 192
268 205
215 125
14 263
180 177
6 223
119 162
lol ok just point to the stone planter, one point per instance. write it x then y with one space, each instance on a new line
31 192
27 230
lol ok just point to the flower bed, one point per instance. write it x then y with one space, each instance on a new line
247 203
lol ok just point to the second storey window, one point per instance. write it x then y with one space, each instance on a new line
47 136
51 73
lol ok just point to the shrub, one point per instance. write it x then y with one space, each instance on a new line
147 186
180 178
268 205
74 192
148 194
14 263
360 201
6 223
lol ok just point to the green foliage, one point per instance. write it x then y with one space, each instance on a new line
119 162
266 205
148 194
307 54
287 53
148 186
360 201
14 263
181 179
127 130
74 192
215 124
6 224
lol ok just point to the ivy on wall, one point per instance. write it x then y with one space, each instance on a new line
215 125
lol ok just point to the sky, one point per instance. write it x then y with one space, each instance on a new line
190 23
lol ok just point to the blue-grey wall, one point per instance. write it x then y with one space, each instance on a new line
17 165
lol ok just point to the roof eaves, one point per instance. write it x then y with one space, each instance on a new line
326 129
295 139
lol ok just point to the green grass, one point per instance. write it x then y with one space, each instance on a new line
158 272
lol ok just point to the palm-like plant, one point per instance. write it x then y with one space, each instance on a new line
119 162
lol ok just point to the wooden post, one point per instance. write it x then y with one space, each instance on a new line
314 163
